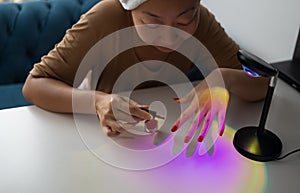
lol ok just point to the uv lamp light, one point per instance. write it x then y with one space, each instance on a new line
256 142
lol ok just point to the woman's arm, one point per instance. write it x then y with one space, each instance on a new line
244 86
56 96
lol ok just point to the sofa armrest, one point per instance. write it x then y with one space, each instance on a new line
11 96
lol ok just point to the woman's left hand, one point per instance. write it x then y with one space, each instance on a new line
205 103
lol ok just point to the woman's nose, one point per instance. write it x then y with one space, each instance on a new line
168 35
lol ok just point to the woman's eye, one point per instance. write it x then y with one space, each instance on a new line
183 24
150 24
186 23
189 21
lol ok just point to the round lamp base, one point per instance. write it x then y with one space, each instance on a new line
264 147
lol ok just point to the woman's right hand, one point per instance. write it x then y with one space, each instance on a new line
118 113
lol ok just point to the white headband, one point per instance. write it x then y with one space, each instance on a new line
131 4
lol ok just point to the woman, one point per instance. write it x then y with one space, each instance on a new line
50 83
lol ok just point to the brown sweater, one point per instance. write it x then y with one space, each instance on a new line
107 17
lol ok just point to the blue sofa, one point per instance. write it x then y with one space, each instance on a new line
28 31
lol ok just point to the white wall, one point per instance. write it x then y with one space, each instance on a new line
267 28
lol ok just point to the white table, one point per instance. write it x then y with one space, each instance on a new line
42 152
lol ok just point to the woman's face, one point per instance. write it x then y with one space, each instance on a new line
180 14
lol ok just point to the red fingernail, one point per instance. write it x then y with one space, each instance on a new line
176 99
221 132
200 139
174 128
186 139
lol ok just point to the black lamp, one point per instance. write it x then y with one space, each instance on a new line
258 143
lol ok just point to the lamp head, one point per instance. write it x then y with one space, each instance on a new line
255 66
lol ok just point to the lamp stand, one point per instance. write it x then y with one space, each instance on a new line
257 143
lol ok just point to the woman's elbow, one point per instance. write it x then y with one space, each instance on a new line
27 89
